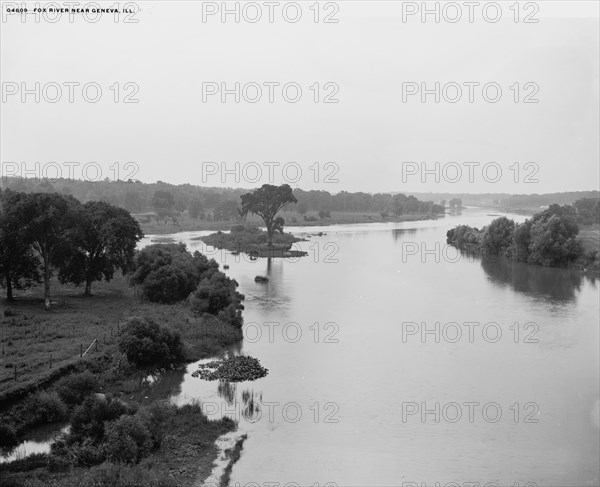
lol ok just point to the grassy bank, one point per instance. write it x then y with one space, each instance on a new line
253 241
42 390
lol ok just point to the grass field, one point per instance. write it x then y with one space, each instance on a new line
38 343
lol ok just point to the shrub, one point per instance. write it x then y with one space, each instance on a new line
8 436
46 407
89 418
216 334
55 463
168 272
74 388
155 418
127 439
214 294
148 345
231 315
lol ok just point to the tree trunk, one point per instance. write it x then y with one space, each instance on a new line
9 291
47 286
88 288
270 235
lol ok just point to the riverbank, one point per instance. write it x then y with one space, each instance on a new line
549 239
31 335
186 224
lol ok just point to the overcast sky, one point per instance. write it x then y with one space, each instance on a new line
369 53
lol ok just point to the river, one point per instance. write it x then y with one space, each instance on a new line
365 389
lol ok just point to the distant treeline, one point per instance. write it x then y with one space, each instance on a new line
510 202
549 238
168 200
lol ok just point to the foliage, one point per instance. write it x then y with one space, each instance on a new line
74 388
103 240
46 407
214 294
497 237
88 420
163 203
251 240
49 220
127 439
238 368
409 205
553 242
8 436
266 202
168 272
150 346
547 239
18 263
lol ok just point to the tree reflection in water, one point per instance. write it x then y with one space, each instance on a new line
560 285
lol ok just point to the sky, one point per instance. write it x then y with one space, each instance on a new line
376 133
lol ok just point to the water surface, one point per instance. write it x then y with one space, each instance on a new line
331 408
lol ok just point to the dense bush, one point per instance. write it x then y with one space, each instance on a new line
549 238
90 417
46 407
148 345
108 429
8 436
74 388
554 242
215 294
168 272
127 440
497 236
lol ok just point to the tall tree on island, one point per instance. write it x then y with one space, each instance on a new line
49 220
103 241
266 202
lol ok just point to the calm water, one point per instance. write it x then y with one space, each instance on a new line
352 382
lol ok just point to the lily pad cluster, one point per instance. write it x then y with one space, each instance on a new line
233 369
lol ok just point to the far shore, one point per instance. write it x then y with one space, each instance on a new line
291 220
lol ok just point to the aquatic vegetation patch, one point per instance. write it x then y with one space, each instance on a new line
234 369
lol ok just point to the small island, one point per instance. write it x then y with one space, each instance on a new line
254 242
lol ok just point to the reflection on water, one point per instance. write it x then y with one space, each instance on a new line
556 284
39 441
